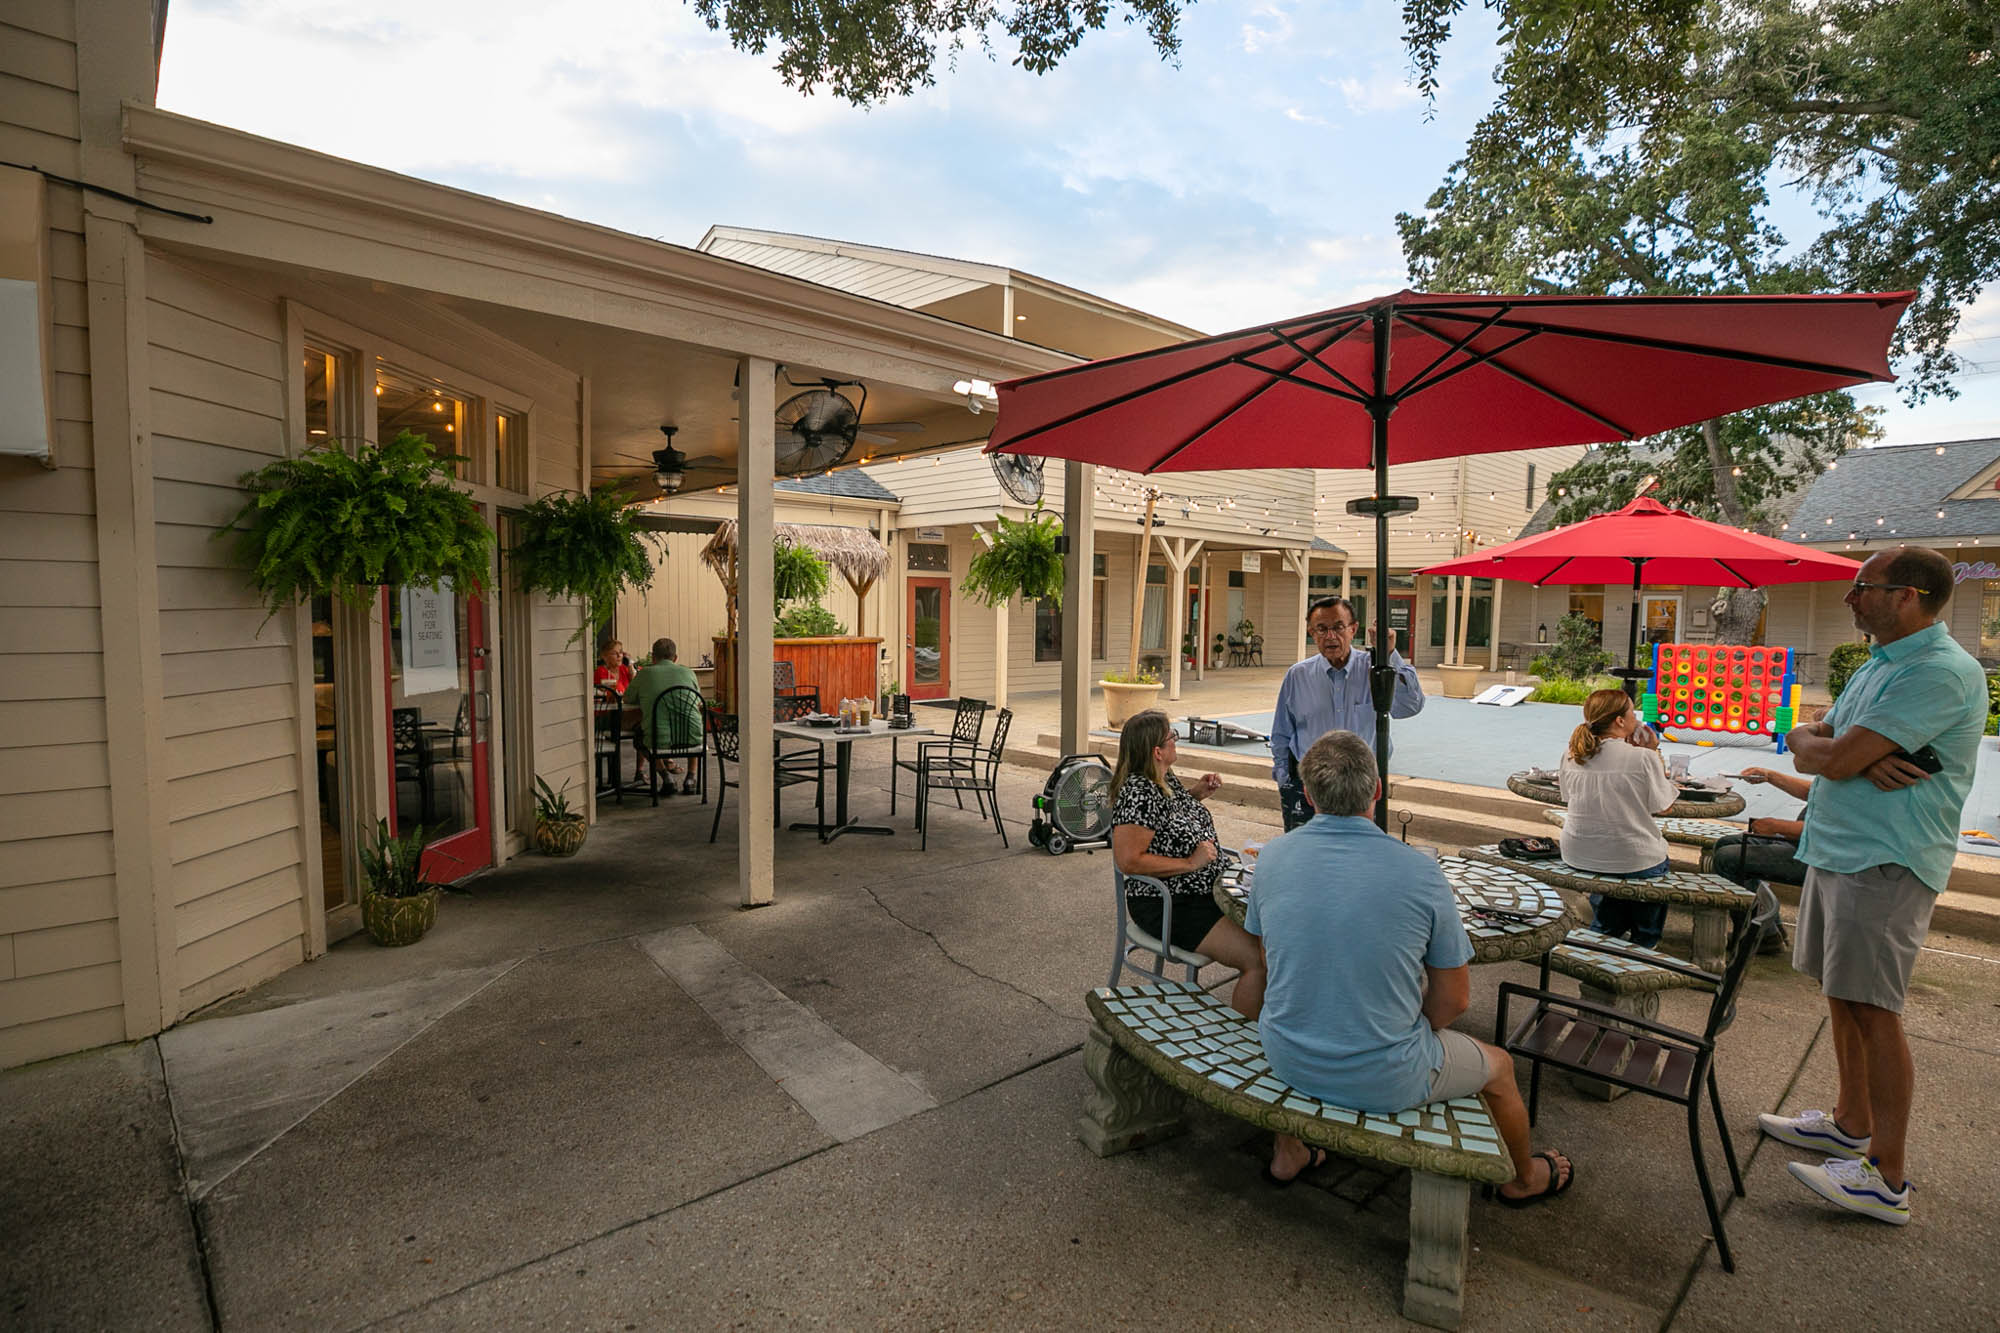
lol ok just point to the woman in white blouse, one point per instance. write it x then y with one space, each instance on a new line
1614 782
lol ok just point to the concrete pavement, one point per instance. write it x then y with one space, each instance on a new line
600 1094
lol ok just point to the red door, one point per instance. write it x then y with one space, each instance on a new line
927 655
439 692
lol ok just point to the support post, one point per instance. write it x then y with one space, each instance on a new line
1139 580
1000 655
1434 1273
756 459
1201 628
1493 629
1450 618
1300 563
1464 616
1180 554
1126 1106
1079 531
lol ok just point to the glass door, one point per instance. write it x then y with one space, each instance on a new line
439 701
1663 618
1402 614
927 672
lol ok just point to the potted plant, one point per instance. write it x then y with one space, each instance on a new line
581 547
1020 560
1126 694
398 906
344 523
559 830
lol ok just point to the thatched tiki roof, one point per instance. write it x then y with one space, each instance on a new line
852 553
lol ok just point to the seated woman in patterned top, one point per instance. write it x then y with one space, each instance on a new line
1160 828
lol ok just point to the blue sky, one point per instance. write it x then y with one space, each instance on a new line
1259 178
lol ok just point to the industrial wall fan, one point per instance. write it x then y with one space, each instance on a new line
1020 476
816 429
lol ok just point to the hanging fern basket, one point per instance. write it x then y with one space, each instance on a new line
581 547
1020 560
331 521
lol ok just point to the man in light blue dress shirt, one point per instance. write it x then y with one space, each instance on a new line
1329 692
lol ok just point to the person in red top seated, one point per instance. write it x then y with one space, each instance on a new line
612 668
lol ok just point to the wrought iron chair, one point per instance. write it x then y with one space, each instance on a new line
727 737
412 755
608 724
940 769
1255 655
680 715
1639 1054
784 684
961 746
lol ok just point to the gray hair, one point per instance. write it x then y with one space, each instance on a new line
1339 774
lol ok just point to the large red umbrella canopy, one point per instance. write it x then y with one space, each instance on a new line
1660 544
1463 375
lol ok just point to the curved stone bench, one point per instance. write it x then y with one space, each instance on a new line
1151 1045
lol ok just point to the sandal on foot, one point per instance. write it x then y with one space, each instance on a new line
1315 1159
1557 1184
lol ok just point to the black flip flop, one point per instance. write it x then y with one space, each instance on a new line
1549 1191
1318 1158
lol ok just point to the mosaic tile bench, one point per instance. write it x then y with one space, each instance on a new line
1613 975
1702 833
1712 899
1151 1045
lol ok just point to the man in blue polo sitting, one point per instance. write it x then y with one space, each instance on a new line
1368 965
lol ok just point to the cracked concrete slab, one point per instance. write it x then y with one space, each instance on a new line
240 1082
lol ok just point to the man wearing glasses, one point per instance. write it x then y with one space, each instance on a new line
1329 692
1893 764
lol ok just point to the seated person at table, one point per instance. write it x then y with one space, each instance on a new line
1767 849
680 718
1368 964
1614 782
612 668
1160 828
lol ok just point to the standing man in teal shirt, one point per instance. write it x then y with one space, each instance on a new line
1893 764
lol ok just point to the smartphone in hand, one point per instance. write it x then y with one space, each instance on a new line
1926 759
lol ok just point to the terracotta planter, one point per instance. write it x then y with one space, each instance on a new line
560 837
397 921
1460 682
1121 701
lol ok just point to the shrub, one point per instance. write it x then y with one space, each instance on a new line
1565 690
1842 663
811 621
1993 703
1577 653
1130 678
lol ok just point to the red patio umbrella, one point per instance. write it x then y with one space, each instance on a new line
1457 374
1653 544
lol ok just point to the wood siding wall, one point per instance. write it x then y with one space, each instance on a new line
60 987
893 283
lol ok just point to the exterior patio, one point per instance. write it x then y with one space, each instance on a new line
600 1094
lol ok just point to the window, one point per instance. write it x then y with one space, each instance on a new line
1323 583
1479 615
929 558
405 400
326 379
1530 501
1049 620
1235 578
510 451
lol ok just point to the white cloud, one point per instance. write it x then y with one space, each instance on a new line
1269 27
1382 90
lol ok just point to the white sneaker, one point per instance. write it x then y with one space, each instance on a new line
1814 1131
1856 1186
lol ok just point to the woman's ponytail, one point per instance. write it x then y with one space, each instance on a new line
1583 743
1600 710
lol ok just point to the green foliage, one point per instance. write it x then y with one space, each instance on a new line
1576 655
1130 678
811 621
1020 560
1564 690
1887 113
584 547
1841 663
797 575
868 51
1993 703
552 806
344 523
393 864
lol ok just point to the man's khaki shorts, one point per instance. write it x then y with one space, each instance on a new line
1464 1070
1858 934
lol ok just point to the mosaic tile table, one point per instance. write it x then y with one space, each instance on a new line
1702 833
1713 899
1149 1046
1544 790
1479 887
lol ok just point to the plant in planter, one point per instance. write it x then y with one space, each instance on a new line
811 621
398 906
1127 693
797 575
1020 560
330 521
581 547
559 830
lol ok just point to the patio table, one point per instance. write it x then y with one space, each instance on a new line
1713 899
1544 917
1702 833
843 739
1547 792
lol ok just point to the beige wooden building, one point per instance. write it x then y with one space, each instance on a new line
181 780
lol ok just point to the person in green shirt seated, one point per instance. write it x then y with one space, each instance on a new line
679 719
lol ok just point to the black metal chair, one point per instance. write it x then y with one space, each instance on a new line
728 740
1255 656
607 714
412 755
962 745
808 761
1638 1054
784 685
679 714
979 775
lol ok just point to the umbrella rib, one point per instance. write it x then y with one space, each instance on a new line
1413 388
1667 345
1188 440
1360 395
1451 349
1542 582
1733 574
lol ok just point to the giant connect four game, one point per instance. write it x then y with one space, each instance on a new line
1723 687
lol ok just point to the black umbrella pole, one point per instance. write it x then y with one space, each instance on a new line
1383 676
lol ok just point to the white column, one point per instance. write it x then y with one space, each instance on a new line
1450 618
1493 629
1180 553
1000 655
1346 578
1201 639
1079 520
1464 616
756 456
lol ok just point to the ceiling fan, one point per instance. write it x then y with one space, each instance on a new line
671 466
1020 475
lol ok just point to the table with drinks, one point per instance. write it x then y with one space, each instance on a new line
855 721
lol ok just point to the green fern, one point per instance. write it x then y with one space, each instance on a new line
1020 560
340 523
584 547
